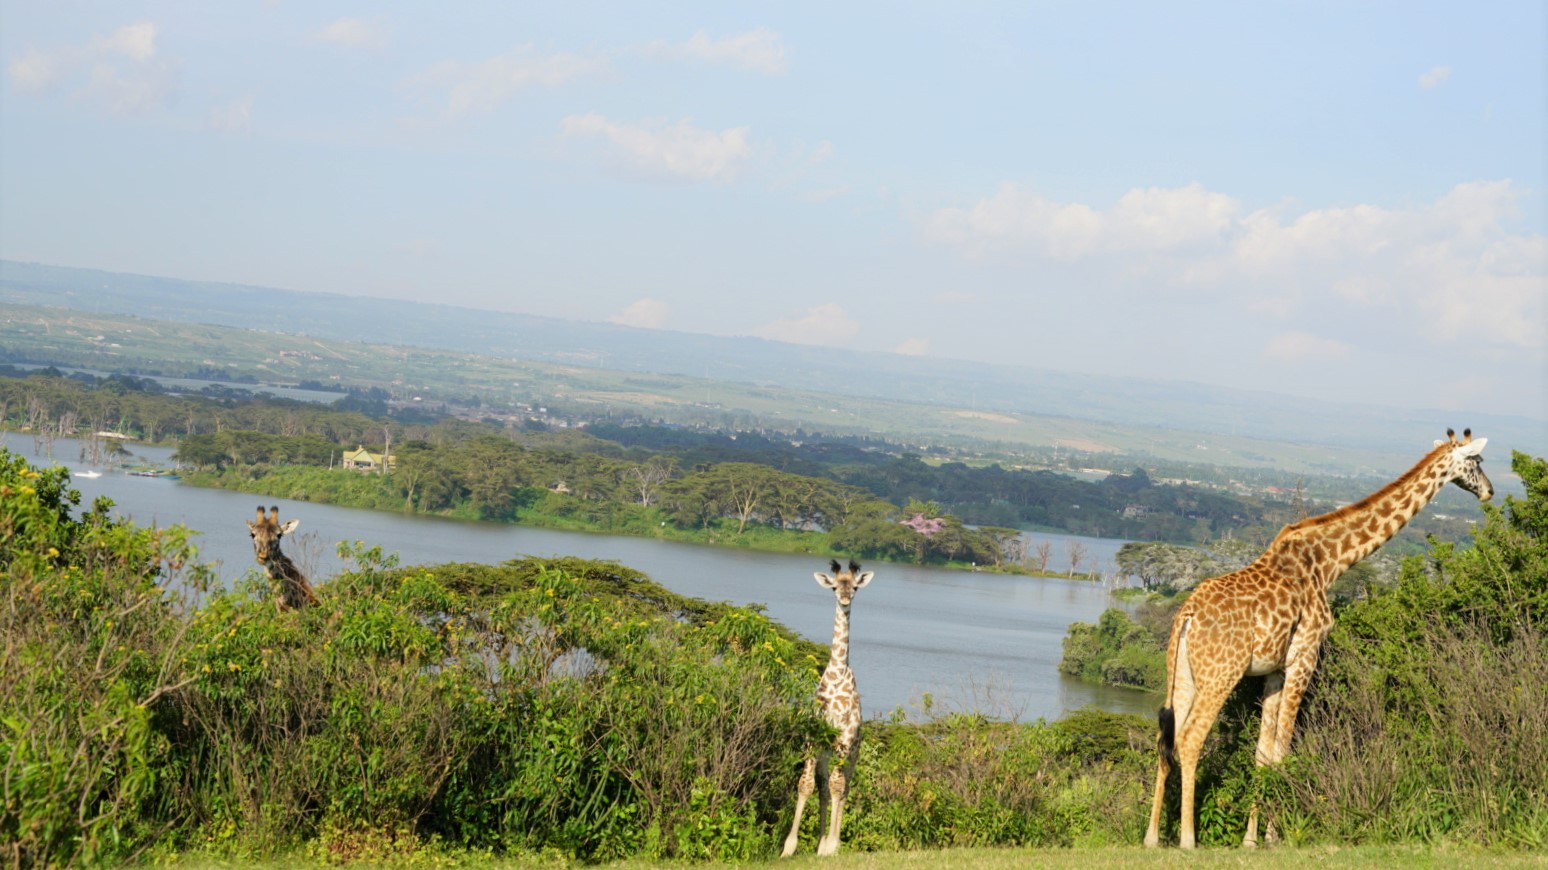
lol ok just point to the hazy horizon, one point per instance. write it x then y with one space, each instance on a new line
1336 203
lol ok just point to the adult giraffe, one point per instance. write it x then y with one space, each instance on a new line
839 699
266 531
1269 618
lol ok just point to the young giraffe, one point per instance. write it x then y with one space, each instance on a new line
266 532
839 699
1270 617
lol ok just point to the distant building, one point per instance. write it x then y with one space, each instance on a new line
363 460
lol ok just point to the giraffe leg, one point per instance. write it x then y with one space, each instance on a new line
824 794
1163 768
1179 705
1191 734
803 792
1300 664
838 785
1268 739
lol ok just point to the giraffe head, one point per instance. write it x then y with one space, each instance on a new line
267 531
844 582
1464 463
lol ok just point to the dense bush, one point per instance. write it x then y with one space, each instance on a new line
90 648
968 781
574 707
1116 651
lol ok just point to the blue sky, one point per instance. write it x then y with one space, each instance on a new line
1336 200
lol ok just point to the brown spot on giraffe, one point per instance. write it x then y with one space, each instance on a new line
1269 618
830 769
266 531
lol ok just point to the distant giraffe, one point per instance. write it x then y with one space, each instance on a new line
831 768
294 590
1270 617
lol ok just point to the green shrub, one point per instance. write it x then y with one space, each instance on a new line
968 781
90 646
1116 651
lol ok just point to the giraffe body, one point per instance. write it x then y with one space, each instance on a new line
294 590
830 769
1270 618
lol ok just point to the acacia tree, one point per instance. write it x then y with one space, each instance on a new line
1003 545
1076 551
1043 555
744 485
648 477
1169 565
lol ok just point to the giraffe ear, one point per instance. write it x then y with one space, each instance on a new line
1474 447
289 526
824 580
864 578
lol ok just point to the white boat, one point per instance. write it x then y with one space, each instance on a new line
88 474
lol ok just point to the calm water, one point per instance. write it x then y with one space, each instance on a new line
971 641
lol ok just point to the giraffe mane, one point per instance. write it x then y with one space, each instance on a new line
1356 507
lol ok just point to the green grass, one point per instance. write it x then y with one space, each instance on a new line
971 859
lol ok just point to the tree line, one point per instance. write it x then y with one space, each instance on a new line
653 466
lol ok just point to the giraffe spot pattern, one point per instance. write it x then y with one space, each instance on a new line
1271 617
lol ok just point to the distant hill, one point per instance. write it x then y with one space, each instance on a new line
1128 402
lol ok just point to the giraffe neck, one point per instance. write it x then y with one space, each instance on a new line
280 567
1351 533
839 651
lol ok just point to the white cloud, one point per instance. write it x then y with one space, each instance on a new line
645 313
134 41
353 33
825 324
485 85
1451 270
759 50
235 117
680 150
120 72
37 71
1436 77
1301 346
913 347
1143 220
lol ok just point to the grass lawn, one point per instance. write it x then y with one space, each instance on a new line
980 859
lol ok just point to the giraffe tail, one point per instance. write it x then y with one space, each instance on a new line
1166 718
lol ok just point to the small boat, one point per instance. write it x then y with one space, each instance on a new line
88 474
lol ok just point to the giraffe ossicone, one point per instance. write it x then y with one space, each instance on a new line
830 768
1269 619
266 531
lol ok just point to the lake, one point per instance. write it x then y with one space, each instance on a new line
972 641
